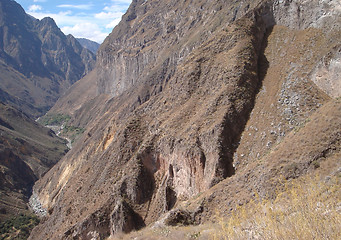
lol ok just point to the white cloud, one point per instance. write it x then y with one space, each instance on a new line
80 7
121 1
117 6
113 23
40 1
108 15
113 13
86 30
34 8
61 18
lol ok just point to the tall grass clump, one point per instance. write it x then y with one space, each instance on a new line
308 208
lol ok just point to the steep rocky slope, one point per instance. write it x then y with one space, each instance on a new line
27 152
37 61
216 99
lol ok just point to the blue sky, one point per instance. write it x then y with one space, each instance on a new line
84 19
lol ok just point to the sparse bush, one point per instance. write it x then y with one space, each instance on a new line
316 164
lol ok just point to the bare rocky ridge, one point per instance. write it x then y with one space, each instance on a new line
314 146
38 62
196 97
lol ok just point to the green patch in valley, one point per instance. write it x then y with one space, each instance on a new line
54 119
60 124
72 132
18 227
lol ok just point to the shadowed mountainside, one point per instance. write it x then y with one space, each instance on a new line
38 63
27 152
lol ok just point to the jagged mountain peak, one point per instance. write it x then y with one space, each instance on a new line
48 23
11 6
48 20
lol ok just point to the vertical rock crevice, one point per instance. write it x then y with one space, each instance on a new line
235 120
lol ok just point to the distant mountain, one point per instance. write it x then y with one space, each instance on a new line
27 152
88 44
38 63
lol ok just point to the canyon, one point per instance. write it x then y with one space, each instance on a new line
195 106
37 64
27 152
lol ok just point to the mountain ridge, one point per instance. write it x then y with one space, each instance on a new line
89 44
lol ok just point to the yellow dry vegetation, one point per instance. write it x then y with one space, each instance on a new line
308 208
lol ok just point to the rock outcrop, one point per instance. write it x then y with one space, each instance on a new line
38 62
195 97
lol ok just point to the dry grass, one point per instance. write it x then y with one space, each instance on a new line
201 232
307 209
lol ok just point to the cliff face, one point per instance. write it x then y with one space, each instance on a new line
38 62
157 36
189 94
